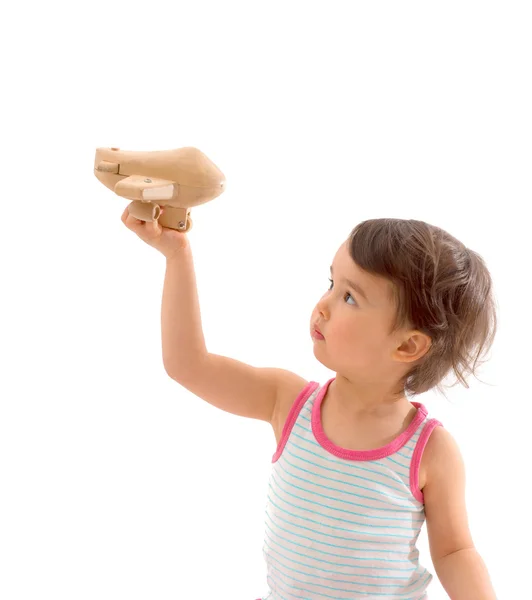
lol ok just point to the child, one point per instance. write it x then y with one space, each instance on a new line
359 465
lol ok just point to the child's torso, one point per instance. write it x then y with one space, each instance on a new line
341 519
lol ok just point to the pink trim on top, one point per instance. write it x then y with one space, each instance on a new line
417 455
381 452
302 397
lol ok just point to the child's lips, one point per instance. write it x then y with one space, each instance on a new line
317 334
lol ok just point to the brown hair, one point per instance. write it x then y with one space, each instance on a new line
439 287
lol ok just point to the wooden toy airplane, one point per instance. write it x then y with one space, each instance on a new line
177 180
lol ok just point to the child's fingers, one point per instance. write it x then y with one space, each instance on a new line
125 215
149 231
153 229
129 221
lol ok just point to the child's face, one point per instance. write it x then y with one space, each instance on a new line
355 328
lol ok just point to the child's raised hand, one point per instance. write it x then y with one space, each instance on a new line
167 241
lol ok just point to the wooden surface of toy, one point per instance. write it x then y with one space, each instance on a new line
176 180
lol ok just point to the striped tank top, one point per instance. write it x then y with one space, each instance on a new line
343 523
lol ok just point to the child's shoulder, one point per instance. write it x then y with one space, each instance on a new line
289 390
440 455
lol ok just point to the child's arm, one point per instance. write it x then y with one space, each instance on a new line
459 567
224 382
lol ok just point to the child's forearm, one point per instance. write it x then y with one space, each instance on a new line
183 343
464 576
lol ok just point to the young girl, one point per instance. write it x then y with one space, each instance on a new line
359 465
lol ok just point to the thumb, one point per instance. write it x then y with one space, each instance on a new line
153 229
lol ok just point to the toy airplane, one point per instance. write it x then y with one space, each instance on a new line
177 180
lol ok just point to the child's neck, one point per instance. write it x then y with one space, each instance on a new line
349 398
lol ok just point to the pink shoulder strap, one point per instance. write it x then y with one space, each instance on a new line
428 428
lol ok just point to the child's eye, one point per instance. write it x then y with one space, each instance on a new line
347 293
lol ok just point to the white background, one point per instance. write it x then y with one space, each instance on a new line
115 482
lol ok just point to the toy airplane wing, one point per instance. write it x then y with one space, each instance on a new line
147 189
